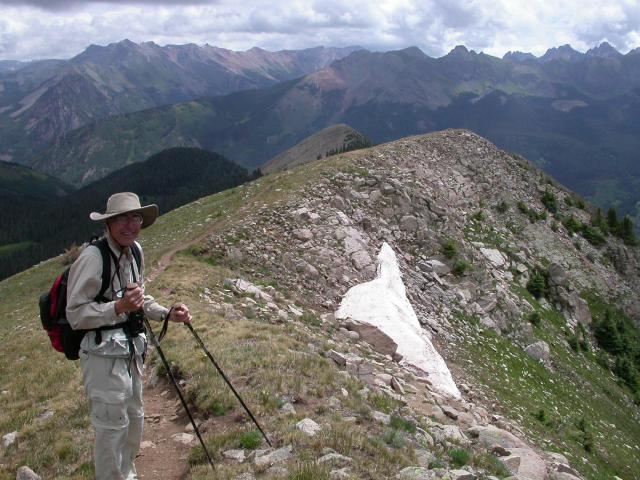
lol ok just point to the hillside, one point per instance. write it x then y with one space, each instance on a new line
264 268
41 100
575 117
19 181
38 228
334 139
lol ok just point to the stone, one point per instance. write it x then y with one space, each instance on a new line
489 435
277 472
308 427
334 459
397 386
237 455
375 337
425 457
341 474
303 234
266 457
361 259
442 433
450 412
557 276
25 473
184 438
539 350
9 439
564 476
529 464
565 468
245 476
147 444
380 417
288 409
409 223
339 358
415 473
435 266
494 256
461 475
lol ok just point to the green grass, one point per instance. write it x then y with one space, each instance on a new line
549 404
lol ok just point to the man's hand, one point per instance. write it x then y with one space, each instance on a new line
180 313
132 299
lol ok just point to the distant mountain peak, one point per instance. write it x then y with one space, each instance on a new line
604 50
460 51
564 52
519 56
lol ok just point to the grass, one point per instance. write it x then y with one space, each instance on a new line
547 404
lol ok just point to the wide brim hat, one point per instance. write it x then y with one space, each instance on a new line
127 202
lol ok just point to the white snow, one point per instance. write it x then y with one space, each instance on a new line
383 303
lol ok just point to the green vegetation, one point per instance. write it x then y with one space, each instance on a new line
251 440
549 201
538 284
531 213
449 248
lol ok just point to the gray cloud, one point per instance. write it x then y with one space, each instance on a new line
495 26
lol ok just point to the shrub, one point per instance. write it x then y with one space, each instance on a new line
549 201
251 440
449 248
479 216
592 235
460 268
535 318
394 438
572 224
522 207
502 207
538 284
459 458
400 423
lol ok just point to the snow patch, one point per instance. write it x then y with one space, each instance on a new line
383 303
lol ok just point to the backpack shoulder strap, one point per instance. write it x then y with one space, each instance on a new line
107 254
137 255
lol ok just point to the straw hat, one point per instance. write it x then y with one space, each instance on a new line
127 202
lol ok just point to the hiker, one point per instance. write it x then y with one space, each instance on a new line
112 352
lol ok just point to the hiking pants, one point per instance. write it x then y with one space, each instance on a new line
117 415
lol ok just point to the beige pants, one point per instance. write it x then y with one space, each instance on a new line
117 415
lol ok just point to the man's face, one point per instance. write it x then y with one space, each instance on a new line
125 228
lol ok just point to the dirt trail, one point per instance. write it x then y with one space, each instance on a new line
162 457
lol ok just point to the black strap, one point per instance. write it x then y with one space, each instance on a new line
163 332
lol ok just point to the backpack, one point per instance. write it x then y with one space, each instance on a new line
53 304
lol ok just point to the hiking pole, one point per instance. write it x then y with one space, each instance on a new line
156 344
197 337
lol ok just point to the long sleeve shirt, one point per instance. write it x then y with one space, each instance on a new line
85 280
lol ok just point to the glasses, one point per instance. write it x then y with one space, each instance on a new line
132 218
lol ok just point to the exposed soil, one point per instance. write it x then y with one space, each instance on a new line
162 457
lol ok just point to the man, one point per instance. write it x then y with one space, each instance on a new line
112 352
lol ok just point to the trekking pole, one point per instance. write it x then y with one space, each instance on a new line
156 344
197 337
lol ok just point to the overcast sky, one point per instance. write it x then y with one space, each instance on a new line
38 29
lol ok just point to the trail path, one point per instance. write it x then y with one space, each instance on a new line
162 457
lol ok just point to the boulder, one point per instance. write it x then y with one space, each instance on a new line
526 463
540 351
375 337
494 256
308 427
25 473
489 435
557 276
237 455
416 473
269 457
303 234
361 259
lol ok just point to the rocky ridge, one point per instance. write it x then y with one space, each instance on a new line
419 195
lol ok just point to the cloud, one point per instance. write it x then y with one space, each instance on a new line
67 27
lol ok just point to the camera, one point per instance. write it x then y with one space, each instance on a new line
136 322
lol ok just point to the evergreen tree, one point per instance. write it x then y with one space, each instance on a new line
612 220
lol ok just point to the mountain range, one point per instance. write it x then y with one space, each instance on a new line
41 100
575 115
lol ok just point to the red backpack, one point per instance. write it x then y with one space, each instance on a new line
53 304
